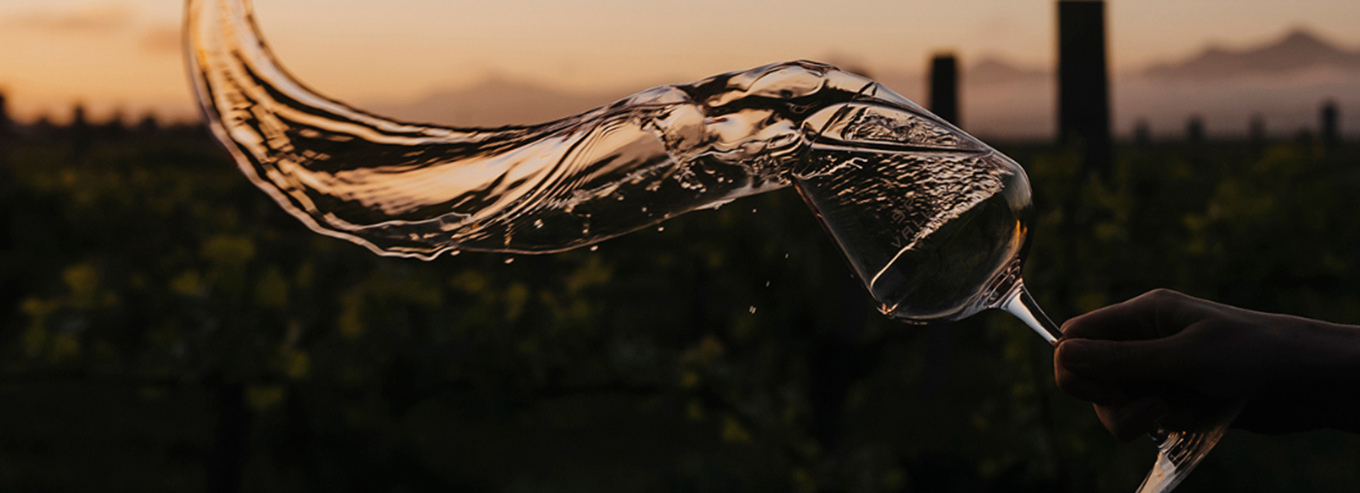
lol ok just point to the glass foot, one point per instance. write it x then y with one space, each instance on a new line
1178 452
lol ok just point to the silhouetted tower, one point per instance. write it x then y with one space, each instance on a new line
1194 129
1084 82
1330 124
944 88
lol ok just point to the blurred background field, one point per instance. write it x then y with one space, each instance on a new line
167 327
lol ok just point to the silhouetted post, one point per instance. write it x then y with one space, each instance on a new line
944 88
5 124
43 126
81 133
10 291
1142 133
1304 138
149 124
944 103
1256 133
115 128
1194 129
1083 82
1330 124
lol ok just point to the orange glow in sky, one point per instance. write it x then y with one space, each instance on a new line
125 53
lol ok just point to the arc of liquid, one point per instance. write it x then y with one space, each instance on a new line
418 190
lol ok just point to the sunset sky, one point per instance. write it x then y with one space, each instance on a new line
125 53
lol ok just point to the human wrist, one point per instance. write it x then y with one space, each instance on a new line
1327 384
1338 357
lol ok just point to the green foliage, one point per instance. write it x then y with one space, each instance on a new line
730 352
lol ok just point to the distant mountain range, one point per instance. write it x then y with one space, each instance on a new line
995 71
1298 51
1283 80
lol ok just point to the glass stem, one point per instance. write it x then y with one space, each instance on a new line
1022 305
1178 452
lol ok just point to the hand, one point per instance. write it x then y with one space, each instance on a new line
1168 359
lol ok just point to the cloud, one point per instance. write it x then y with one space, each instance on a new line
162 40
93 18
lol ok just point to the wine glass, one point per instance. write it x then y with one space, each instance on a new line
935 223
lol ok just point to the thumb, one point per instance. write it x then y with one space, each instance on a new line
1117 361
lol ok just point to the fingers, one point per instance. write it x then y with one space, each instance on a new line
1098 371
1121 321
1088 390
1133 419
1153 343
1117 362
1157 313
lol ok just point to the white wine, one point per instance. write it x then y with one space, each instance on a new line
932 220
931 233
927 215
418 190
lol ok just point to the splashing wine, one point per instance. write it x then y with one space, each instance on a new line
934 222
